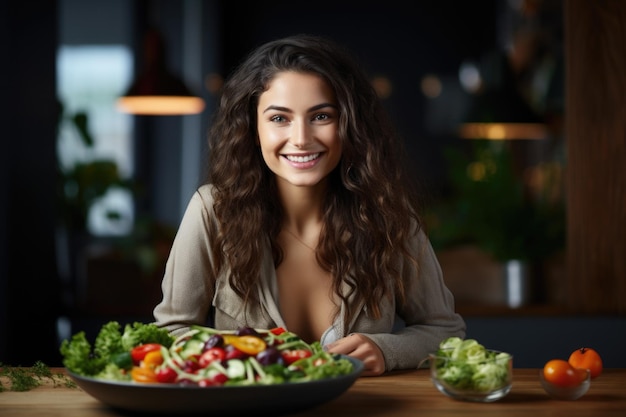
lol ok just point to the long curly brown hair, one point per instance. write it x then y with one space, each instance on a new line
370 210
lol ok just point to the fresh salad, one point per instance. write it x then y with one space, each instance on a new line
468 365
203 356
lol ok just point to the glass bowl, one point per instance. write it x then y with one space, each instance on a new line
484 380
566 393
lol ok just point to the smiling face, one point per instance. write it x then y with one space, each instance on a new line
298 129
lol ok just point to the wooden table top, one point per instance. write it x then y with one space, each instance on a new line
398 394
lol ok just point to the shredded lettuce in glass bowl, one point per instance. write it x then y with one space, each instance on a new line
466 370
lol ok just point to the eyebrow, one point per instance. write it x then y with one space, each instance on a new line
287 110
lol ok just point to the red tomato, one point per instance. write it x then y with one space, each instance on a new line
234 353
587 358
277 330
166 375
140 352
211 355
206 383
191 365
290 356
219 379
560 372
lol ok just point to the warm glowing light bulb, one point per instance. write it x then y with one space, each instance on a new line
160 105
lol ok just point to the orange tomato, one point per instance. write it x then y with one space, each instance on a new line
559 372
140 374
587 358
152 359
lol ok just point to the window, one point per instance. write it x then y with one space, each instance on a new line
90 78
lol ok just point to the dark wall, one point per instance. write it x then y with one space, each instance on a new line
4 187
400 40
392 39
29 296
533 341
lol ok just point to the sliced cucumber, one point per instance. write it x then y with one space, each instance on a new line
192 347
235 369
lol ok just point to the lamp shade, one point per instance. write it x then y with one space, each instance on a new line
500 112
500 115
157 91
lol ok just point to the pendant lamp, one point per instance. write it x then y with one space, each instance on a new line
500 112
157 91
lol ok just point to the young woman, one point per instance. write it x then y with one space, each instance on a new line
306 220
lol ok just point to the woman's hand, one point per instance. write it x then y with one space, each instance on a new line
360 347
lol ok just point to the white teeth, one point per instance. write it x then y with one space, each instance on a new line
306 158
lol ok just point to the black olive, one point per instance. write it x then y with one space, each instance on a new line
245 331
270 356
214 341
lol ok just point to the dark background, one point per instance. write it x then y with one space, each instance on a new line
397 39
402 41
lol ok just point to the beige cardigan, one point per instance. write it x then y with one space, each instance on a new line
193 295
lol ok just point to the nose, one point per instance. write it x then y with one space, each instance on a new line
300 134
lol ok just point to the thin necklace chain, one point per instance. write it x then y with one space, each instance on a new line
299 240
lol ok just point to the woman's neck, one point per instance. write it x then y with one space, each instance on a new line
302 208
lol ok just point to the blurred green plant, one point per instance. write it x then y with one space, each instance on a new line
80 185
491 207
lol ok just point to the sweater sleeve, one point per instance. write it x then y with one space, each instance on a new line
188 284
428 314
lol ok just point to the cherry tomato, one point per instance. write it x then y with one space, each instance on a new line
152 359
211 355
206 383
219 379
234 353
143 374
140 352
216 380
290 356
560 372
191 365
277 330
166 375
587 358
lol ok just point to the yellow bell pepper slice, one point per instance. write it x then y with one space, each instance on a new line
249 344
